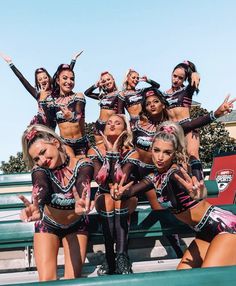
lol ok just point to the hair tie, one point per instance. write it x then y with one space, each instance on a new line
186 62
150 93
31 135
167 129
103 73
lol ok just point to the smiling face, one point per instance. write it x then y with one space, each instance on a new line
107 82
46 154
114 126
153 105
163 154
43 80
132 80
66 81
178 78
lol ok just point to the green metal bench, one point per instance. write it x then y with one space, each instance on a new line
220 276
11 200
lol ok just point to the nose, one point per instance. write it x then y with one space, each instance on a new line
160 156
42 161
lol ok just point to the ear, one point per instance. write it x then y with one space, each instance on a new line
56 143
57 80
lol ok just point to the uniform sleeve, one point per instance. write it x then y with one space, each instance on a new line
198 122
32 90
84 178
143 186
89 92
41 186
153 83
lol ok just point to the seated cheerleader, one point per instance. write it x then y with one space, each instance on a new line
215 228
61 201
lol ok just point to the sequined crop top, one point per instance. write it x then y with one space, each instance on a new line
75 104
53 191
181 97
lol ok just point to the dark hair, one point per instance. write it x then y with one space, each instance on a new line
62 67
40 70
152 91
188 67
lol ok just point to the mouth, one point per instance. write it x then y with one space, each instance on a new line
48 163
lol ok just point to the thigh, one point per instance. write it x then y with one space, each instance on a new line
46 246
75 246
222 251
152 198
104 202
194 255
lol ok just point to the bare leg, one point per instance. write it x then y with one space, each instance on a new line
194 255
46 246
222 251
75 246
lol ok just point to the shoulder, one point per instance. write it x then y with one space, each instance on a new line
79 95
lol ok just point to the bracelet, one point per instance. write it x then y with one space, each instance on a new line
212 116
112 155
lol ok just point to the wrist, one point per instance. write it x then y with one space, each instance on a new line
213 115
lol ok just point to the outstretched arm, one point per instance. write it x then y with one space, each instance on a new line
74 59
32 90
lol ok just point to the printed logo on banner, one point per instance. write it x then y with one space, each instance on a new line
223 178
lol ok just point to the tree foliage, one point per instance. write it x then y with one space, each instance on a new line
214 138
14 165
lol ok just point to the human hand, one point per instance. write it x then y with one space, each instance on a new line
108 145
117 190
83 204
196 189
225 108
195 79
44 94
118 141
67 113
76 55
143 78
31 212
6 58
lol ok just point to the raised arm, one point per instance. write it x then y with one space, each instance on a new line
32 90
74 59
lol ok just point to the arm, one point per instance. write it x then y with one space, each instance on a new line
225 108
150 81
89 92
120 104
22 79
74 59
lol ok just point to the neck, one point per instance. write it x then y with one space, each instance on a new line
156 119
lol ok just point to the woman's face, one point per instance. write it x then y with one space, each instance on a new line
107 82
153 105
132 80
114 126
178 78
163 154
45 154
43 80
66 81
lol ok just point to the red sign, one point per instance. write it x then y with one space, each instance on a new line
223 171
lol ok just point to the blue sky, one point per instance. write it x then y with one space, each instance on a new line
150 36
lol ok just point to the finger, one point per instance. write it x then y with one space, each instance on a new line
227 98
195 181
181 180
185 174
79 54
76 195
232 101
122 180
24 200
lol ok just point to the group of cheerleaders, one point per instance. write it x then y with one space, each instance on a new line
151 151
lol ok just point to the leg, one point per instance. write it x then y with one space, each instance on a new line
221 251
75 246
46 246
194 255
105 208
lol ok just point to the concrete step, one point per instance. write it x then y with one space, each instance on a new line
89 271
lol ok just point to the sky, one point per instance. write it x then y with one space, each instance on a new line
149 36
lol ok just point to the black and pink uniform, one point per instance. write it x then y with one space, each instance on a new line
173 196
107 101
48 184
75 104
